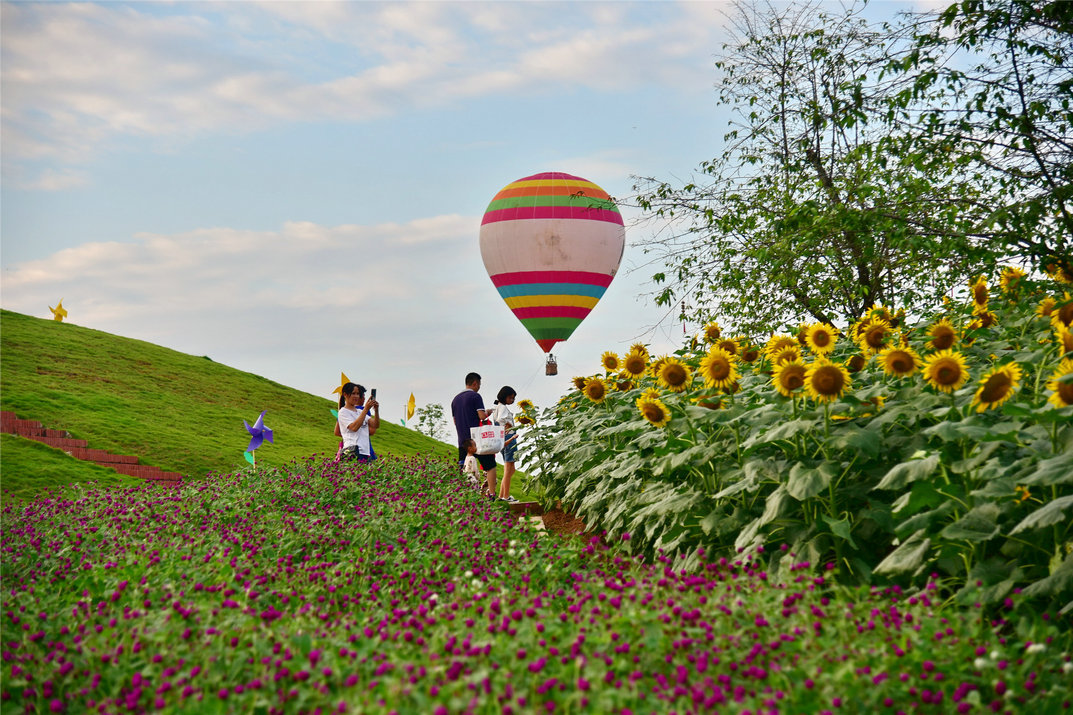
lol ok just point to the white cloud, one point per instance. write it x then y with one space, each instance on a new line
408 306
76 75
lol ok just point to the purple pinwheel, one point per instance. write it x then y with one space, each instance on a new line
258 433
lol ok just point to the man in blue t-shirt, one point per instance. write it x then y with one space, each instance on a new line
467 409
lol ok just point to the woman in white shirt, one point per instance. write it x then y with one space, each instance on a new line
502 415
357 423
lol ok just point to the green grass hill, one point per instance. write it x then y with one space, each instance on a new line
179 412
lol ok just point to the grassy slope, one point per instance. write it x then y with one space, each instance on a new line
179 412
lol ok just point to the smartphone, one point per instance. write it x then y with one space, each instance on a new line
374 393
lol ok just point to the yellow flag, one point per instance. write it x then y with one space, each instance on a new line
345 380
410 406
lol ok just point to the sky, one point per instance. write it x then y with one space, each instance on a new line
295 189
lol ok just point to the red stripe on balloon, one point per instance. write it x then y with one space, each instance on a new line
552 212
524 277
552 311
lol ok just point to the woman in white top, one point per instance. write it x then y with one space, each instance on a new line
357 423
502 415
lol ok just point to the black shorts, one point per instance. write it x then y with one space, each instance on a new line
487 461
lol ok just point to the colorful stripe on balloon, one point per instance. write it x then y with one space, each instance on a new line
551 304
552 195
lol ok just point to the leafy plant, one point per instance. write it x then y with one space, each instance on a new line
921 461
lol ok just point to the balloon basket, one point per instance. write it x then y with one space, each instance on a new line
550 367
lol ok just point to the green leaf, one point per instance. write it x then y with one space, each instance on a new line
906 472
909 556
865 441
1060 580
1056 470
979 524
786 430
1050 513
806 482
841 529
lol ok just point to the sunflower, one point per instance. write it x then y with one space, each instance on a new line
945 370
1046 307
789 377
674 374
1062 274
525 404
623 383
579 382
1010 280
718 368
856 362
997 386
898 319
712 332
943 335
731 346
654 368
1062 389
821 338
610 361
640 349
710 402
978 288
826 381
524 419
802 332
1064 337
750 354
983 319
777 342
635 363
900 362
654 411
880 312
595 389
873 335
650 393
1063 312
786 354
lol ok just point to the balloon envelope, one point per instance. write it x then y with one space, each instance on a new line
551 244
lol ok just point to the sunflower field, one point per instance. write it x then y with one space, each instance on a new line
892 448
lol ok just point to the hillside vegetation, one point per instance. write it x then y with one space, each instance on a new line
176 411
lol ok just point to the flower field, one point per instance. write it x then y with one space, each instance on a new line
392 587
902 450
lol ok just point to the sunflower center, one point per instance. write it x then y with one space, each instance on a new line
996 388
900 362
947 372
595 390
719 369
979 294
874 337
942 338
1065 391
828 380
821 338
1065 313
635 364
674 374
856 363
792 378
750 355
652 412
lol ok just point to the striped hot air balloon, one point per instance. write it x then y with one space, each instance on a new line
551 244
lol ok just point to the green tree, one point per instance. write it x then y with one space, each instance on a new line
808 212
992 81
430 421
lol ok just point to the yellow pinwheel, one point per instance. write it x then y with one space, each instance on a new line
343 380
59 312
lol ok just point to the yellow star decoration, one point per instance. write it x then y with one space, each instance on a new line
59 312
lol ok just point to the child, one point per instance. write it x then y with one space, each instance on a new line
472 467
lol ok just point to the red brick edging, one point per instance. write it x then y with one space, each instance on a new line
79 449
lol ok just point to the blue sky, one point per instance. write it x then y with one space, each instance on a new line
295 188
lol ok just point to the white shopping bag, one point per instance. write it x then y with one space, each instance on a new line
488 436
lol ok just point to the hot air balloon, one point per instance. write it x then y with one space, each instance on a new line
551 244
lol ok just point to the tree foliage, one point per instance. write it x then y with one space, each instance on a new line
996 79
430 421
847 179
